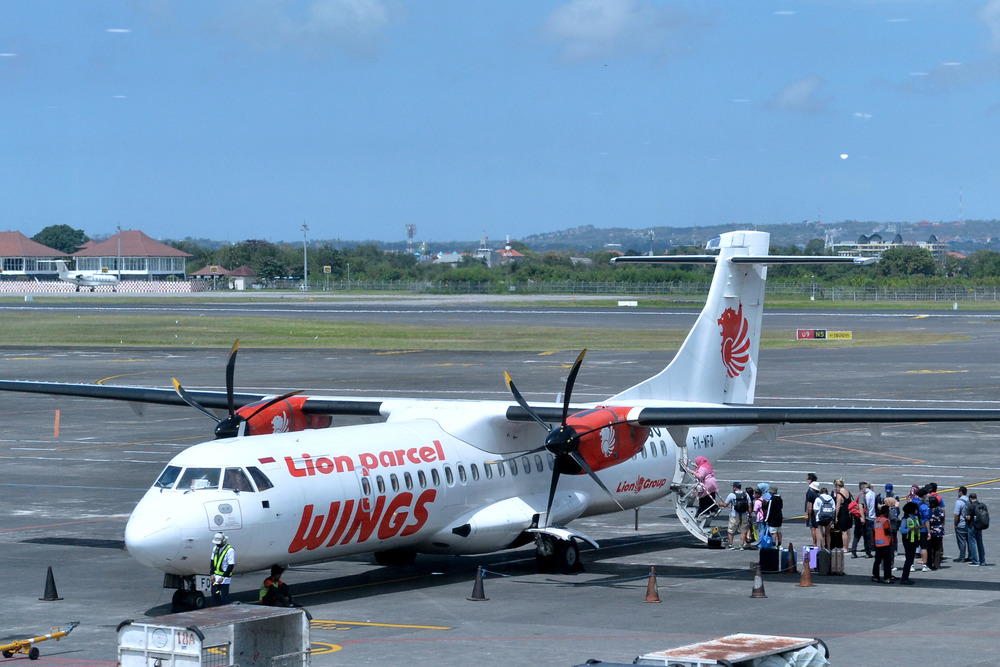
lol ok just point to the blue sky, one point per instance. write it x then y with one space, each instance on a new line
236 119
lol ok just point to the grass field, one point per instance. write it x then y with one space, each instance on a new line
56 328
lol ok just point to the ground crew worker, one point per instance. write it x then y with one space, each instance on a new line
274 592
223 563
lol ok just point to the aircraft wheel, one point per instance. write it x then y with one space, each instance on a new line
395 557
179 601
568 556
8 654
195 600
33 653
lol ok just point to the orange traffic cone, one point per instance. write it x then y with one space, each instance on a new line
806 579
758 583
50 587
791 569
477 588
652 595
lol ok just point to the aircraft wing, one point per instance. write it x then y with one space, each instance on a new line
751 415
217 400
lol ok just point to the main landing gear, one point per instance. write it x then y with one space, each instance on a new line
555 555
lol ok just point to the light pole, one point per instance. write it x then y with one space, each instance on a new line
305 259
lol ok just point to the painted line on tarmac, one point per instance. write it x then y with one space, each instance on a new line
320 624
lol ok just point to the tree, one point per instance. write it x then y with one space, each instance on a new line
907 261
61 237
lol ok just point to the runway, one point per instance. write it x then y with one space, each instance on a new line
74 469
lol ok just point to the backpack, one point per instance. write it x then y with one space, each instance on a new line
774 515
742 503
827 509
852 507
982 516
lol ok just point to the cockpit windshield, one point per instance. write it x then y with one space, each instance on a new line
168 477
195 479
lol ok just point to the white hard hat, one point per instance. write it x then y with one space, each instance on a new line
220 538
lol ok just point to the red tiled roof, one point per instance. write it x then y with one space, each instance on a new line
211 270
16 244
243 271
134 244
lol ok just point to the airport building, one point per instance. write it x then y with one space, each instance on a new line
142 258
24 259
874 246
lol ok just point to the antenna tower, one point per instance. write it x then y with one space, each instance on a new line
411 230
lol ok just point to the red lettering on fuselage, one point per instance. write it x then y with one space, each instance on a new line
391 519
307 466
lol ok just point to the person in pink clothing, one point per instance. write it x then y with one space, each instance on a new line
707 485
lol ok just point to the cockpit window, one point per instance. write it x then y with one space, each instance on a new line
236 480
168 477
195 479
260 479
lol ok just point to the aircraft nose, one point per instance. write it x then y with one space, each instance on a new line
152 538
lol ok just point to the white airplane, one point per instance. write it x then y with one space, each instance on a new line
91 279
464 476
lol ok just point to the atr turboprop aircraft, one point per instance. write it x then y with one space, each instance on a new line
89 279
465 476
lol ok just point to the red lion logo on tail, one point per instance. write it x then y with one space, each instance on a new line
735 341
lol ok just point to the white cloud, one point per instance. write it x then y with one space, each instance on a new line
802 95
356 26
990 15
588 30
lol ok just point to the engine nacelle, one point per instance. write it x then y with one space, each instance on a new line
284 416
608 439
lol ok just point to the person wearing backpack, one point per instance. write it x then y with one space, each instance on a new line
825 509
738 503
909 533
961 528
973 521
775 516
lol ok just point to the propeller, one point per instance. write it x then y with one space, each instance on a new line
563 442
229 427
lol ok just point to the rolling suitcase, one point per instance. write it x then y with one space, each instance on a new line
809 557
823 562
837 561
787 560
769 560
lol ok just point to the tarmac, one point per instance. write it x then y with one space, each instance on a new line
74 469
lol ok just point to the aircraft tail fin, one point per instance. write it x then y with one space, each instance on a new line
62 269
717 363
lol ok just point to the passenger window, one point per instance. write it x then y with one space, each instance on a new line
236 480
526 464
643 452
408 480
539 466
195 479
489 470
513 467
422 479
380 483
168 477
394 482
449 476
260 479
652 448
461 473
501 469
435 477
475 472
663 448
551 460
366 486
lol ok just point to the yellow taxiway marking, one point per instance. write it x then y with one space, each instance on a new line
938 372
390 352
546 354
320 624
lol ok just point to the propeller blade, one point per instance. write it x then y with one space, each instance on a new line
523 403
230 373
582 462
190 401
277 399
570 381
